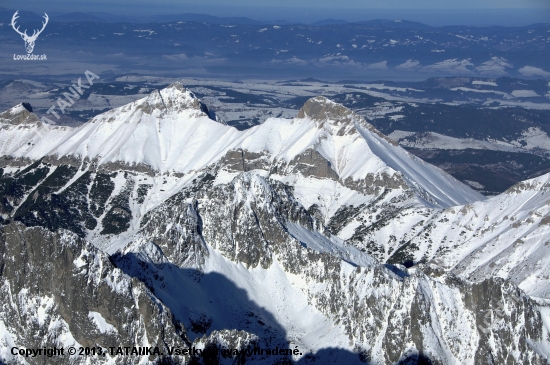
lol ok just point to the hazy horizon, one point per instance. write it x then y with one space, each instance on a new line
442 16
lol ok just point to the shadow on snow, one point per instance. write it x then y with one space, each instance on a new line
212 302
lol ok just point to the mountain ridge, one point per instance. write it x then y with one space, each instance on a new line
316 232
172 107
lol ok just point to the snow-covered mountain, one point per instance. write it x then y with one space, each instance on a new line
280 235
505 236
170 131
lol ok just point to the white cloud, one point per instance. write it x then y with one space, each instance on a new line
452 66
176 57
378 66
495 66
293 61
296 61
409 65
524 93
533 71
336 57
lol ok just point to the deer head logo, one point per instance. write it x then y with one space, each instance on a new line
29 40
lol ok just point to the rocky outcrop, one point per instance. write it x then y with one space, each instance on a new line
171 100
59 291
243 160
312 164
323 110
180 238
19 115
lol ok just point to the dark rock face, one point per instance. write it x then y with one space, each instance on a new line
488 299
244 232
66 196
117 219
19 115
56 160
253 226
376 184
45 208
43 205
6 161
180 238
243 160
100 192
14 188
312 163
249 221
54 288
322 109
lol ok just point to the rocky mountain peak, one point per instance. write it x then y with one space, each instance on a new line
331 114
173 99
19 114
320 108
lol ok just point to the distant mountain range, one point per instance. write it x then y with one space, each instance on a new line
102 17
489 133
205 45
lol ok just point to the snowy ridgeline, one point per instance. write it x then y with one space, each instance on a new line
280 232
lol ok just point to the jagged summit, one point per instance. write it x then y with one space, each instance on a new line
363 150
321 108
341 118
19 114
174 99
279 233
333 117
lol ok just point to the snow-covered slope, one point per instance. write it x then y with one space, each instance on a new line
235 247
21 130
265 237
354 150
243 265
506 236
170 131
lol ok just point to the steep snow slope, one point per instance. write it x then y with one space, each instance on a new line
21 130
506 236
168 130
354 150
171 131
235 247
